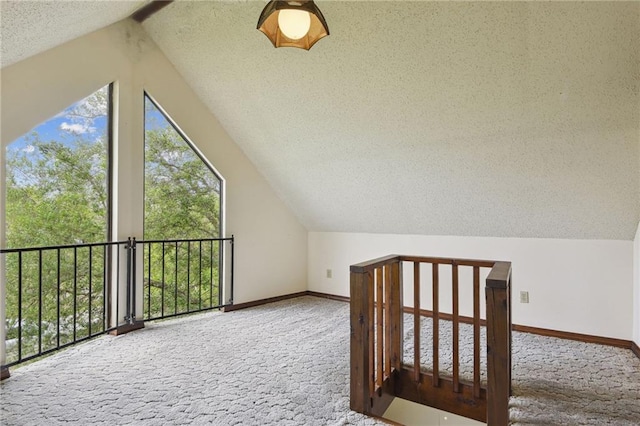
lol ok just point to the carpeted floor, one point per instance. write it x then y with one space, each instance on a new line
562 382
285 364
555 381
445 337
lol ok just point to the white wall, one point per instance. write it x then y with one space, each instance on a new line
636 287
270 242
581 286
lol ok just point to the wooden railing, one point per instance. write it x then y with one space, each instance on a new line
378 373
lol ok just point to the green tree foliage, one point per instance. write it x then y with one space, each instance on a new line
182 201
57 195
181 193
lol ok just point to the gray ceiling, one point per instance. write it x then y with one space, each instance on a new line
496 119
31 27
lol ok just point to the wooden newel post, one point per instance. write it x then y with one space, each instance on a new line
498 294
360 318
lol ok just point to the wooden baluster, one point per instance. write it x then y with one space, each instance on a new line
476 331
456 325
387 320
416 321
361 291
436 324
380 326
372 340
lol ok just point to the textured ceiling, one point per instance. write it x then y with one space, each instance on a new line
517 119
31 27
501 119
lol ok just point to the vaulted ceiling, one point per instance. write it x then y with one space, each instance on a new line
31 27
500 119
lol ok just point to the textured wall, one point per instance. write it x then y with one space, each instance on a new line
581 286
514 119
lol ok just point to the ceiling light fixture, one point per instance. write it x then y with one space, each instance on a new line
293 23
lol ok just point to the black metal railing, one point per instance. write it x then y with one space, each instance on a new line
183 276
58 296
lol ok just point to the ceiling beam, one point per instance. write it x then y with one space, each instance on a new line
149 9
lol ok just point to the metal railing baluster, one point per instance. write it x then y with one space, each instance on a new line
148 280
19 305
104 287
117 323
162 290
90 294
58 301
188 276
200 276
211 274
39 300
175 295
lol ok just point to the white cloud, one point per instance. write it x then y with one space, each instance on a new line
170 156
29 149
77 128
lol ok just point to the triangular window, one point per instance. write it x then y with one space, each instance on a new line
182 201
182 190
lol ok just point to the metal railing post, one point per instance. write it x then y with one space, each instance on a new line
127 316
134 279
232 263
4 371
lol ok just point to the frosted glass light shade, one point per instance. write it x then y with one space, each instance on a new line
294 23
277 26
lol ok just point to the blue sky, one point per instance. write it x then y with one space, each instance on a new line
65 128
61 129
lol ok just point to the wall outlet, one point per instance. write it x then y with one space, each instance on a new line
329 273
524 297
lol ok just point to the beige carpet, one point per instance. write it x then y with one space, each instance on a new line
285 364
555 381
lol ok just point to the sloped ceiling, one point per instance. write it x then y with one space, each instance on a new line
499 119
31 27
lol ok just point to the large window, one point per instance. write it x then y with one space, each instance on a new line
57 178
182 191
182 202
57 194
